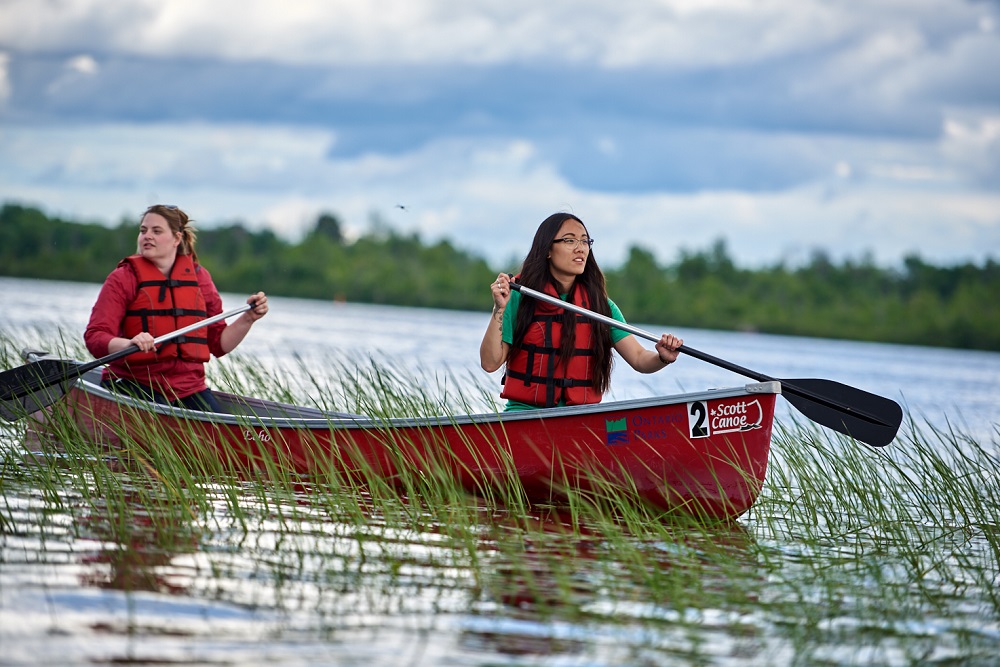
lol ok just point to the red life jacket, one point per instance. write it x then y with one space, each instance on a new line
535 376
164 304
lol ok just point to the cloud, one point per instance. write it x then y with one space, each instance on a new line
486 197
679 35
344 32
780 125
4 78
974 144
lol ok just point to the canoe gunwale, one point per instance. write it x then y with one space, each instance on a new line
320 419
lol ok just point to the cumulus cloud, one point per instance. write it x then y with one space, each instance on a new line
974 146
4 78
780 125
487 198
676 33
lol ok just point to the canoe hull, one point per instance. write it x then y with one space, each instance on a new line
702 454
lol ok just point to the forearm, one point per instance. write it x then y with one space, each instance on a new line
118 344
650 362
492 351
235 332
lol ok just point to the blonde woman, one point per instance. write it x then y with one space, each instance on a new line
156 291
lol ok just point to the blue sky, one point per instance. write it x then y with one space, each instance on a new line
781 126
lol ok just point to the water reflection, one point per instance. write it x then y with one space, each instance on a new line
551 577
128 533
528 555
138 542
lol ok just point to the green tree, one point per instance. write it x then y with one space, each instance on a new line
916 303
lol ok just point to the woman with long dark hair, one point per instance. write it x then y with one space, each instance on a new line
554 356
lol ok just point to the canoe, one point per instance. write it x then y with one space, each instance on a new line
702 454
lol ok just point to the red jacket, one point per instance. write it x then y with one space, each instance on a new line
173 376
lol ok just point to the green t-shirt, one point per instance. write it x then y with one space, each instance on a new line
507 335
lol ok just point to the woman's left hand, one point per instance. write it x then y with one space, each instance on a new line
667 346
259 303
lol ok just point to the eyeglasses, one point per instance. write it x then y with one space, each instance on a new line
573 243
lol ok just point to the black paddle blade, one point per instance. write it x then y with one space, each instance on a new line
864 416
31 387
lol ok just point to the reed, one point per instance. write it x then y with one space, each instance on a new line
850 555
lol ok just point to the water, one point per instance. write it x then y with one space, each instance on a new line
82 582
961 387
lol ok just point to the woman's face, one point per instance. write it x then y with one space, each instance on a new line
156 242
568 260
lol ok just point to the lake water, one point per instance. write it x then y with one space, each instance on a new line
960 387
73 591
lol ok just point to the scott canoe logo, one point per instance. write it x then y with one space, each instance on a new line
705 420
617 431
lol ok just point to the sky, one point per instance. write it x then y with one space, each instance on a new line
862 130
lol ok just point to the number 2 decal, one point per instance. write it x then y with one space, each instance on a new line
698 425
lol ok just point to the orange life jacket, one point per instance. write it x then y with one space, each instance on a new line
535 376
164 304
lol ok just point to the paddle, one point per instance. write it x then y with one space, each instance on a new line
866 417
31 387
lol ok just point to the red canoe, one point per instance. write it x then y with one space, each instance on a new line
702 454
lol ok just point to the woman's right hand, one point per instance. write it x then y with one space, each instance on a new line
144 341
501 292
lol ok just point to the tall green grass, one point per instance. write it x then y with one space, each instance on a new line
851 555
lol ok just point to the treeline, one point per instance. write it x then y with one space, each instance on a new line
381 267
918 303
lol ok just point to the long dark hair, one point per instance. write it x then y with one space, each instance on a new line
535 273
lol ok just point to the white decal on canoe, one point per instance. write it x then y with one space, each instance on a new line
698 420
723 417
262 436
